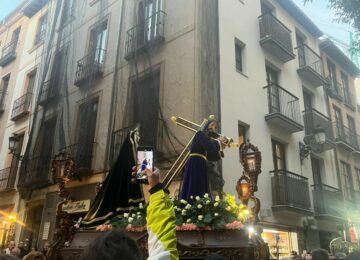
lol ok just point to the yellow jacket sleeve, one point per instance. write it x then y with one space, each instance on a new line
161 227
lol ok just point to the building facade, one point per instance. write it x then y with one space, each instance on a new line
89 71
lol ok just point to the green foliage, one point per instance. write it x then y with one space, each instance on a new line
347 11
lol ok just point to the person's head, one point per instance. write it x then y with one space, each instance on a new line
319 254
21 245
11 245
16 251
46 246
113 245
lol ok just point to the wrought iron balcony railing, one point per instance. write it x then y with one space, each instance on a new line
276 37
335 89
145 34
352 196
7 178
290 190
82 153
8 53
50 90
310 65
327 201
2 100
21 106
90 67
35 172
343 135
314 119
284 108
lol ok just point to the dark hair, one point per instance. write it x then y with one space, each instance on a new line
319 254
113 245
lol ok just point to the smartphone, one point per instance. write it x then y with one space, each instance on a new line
144 160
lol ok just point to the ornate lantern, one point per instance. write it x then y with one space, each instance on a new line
62 167
250 158
243 189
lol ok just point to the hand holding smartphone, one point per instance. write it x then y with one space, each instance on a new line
145 160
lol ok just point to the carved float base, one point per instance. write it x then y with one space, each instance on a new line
232 244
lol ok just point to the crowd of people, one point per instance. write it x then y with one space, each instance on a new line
19 251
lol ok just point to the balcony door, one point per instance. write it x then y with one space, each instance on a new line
87 117
272 77
352 131
316 166
147 107
97 47
339 128
278 150
348 185
301 50
332 76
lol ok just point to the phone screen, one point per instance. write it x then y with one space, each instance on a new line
145 159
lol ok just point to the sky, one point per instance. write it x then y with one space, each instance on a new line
6 6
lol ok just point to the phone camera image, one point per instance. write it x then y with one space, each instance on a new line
145 159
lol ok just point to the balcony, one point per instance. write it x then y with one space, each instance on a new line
328 201
290 192
345 137
312 120
145 35
349 100
334 89
50 91
35 172
82 153
275 37
90 67
33 6
21 107
8 53
7 179
2 100
284 109
310 66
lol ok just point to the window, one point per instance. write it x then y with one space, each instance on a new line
3 90
317 166
352 131
338 116
146 97
30 82
41 30
243 130
307 100
273 91
348 186
68 11
278 150
332 75
300 41
345 83
239 55
87 118
97 47
357 171
265 8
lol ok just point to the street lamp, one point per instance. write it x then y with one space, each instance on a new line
14 142
320 139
